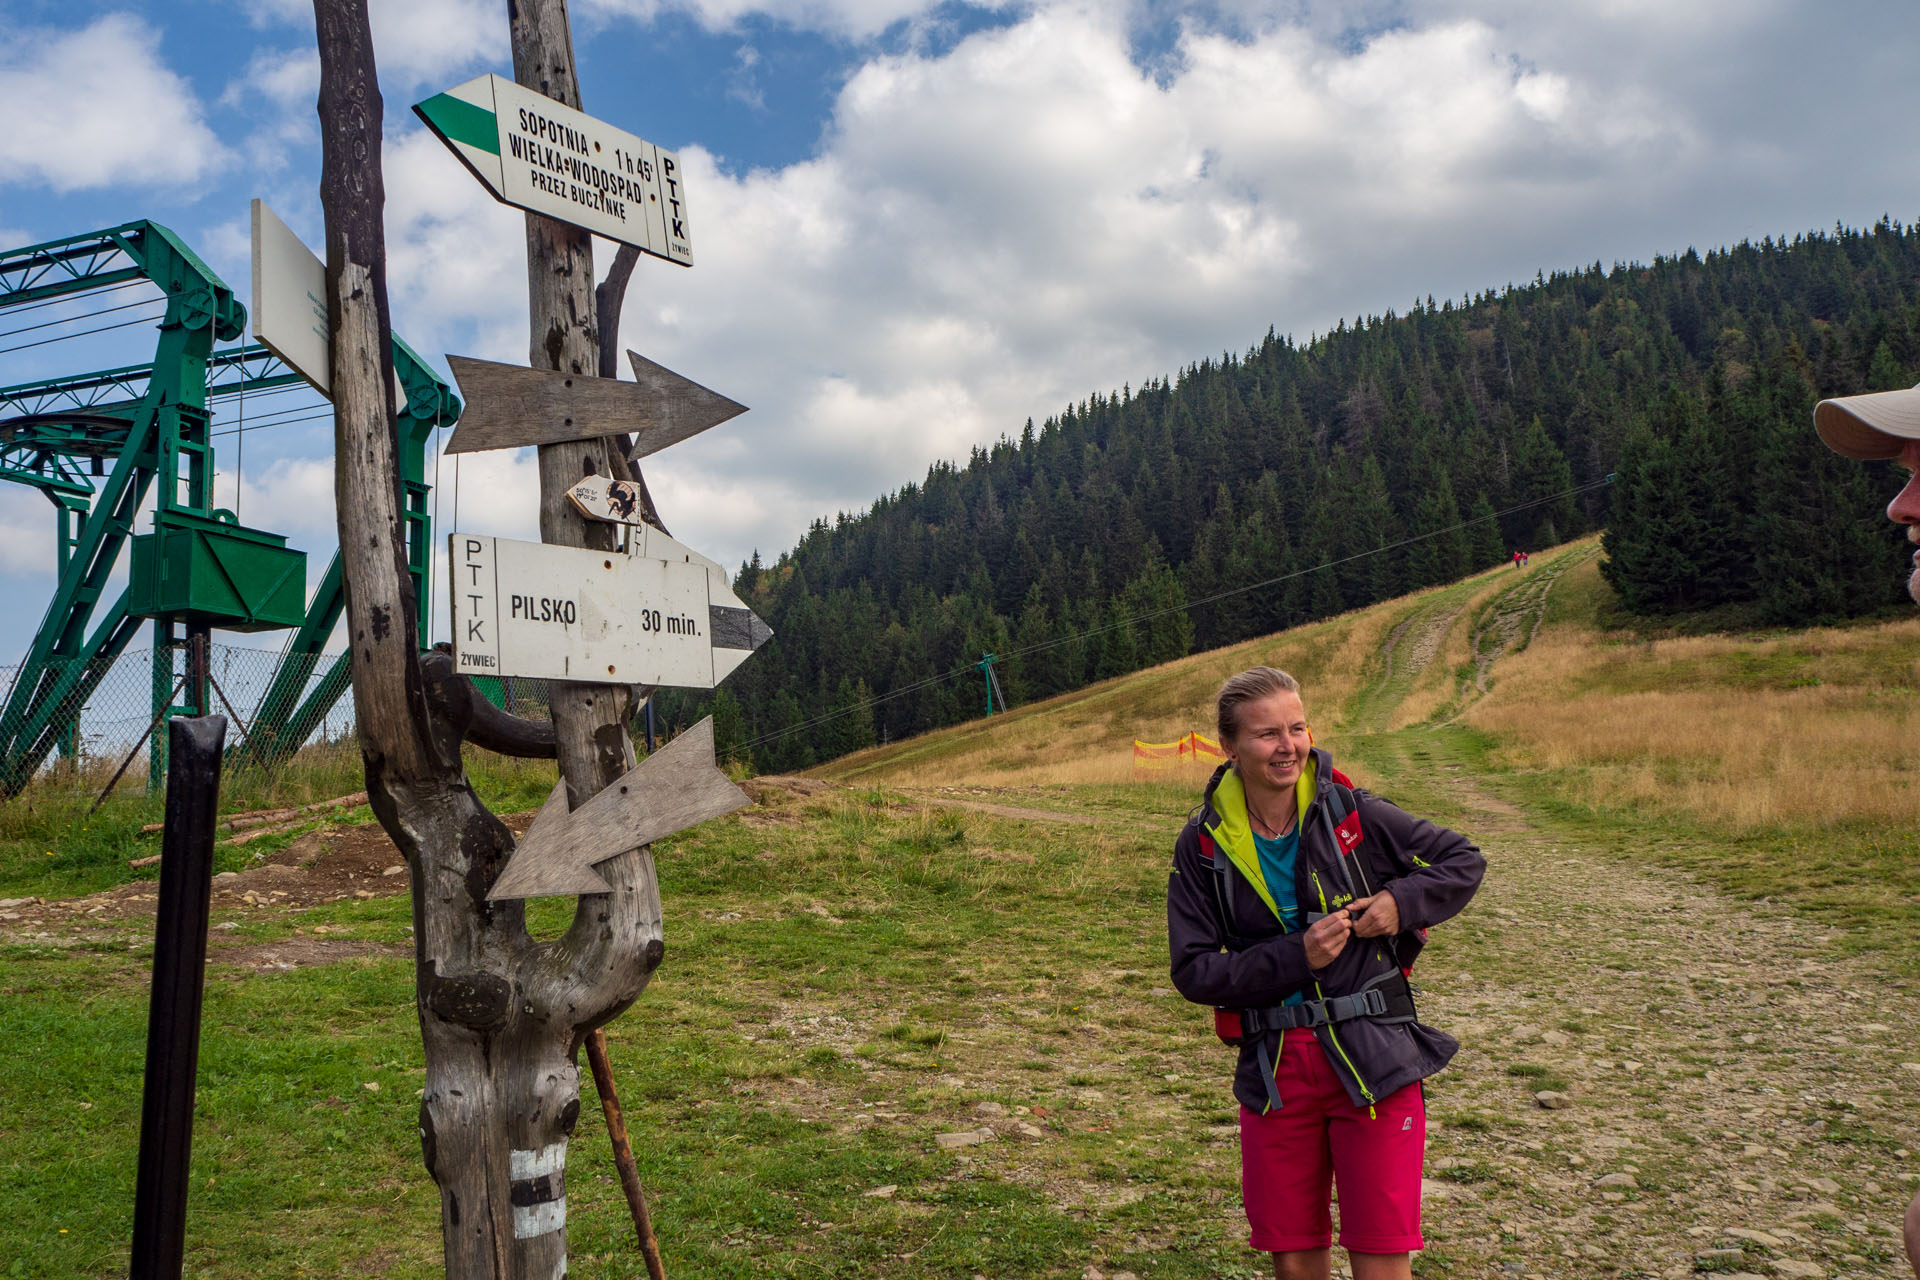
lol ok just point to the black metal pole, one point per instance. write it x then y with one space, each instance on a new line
179 980
649 725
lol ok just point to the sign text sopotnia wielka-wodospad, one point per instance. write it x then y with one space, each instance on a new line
546 157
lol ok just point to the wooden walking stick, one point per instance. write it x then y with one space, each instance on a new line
623 1152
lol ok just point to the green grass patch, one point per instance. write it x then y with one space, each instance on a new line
837 991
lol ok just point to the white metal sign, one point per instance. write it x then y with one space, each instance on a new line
659 613
290 299
543 156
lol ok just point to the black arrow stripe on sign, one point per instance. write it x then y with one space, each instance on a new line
737 628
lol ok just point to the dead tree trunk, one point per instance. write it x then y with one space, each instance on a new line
502 1016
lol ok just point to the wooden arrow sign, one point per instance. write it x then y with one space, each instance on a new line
675 788
509 405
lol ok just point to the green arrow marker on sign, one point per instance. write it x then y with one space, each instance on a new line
460 121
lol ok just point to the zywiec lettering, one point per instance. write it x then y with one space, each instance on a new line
541 609
477 660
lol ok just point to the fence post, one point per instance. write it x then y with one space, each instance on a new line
164 688
199 666
179 981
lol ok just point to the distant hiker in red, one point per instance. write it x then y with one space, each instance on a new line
1525 559
1516 559
1885 426
1296 906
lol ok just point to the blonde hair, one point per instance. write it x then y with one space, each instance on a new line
1252 684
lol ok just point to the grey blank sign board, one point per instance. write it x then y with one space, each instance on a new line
510 406
675 788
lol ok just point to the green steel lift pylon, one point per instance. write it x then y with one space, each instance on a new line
152 421
985 667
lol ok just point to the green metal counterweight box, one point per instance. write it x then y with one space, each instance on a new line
195 569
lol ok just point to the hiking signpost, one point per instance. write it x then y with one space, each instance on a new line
655 614
621 605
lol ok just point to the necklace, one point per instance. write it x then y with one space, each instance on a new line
1273 831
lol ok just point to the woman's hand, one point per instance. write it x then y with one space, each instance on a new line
1375 917
1326 939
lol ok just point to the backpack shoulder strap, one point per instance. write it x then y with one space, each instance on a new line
1223 873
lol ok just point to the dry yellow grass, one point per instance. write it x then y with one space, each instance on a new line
1087 736
1798 729
1802 729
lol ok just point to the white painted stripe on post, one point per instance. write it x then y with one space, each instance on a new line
535 1164
532 1220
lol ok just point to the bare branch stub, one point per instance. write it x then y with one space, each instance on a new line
609 297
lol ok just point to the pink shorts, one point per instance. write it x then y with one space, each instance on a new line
1290 1159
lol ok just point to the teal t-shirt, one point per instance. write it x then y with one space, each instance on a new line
1276 866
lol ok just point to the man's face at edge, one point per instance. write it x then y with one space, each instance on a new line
1905 509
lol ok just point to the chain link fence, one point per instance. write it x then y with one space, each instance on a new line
113 730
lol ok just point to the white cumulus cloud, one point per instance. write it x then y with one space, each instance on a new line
989 232
96 107
847 18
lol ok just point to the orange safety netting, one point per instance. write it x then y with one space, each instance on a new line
1193 748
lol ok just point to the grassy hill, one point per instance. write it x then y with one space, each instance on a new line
1696 928
1779 764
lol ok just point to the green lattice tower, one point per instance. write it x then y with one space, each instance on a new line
96 443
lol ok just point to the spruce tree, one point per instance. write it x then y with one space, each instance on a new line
1324 452
729 726
1822 548
1484 547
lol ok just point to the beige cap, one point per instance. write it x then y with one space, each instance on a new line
1870 427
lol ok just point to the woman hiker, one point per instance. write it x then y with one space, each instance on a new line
1296 906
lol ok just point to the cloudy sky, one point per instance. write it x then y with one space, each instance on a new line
917 225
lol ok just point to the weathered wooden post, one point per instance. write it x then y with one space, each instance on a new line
503 1016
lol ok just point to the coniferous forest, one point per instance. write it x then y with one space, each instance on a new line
1075 549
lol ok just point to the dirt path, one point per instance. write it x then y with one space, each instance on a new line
943 797
1513 619
1737 1096
1409 649
1734 1095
